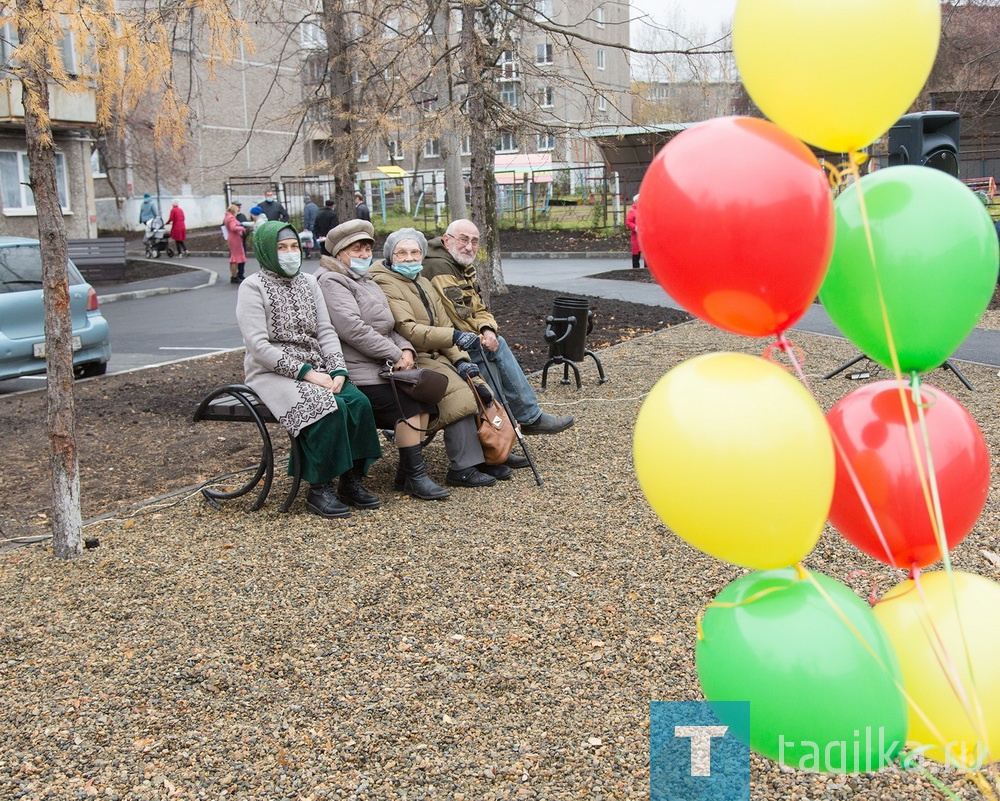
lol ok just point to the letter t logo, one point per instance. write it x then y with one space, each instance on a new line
701 746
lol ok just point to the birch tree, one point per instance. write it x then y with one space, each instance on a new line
125 50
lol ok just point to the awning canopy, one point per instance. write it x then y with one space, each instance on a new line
393 171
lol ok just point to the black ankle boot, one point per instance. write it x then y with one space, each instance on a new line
351 491
415 479
323 501
399 482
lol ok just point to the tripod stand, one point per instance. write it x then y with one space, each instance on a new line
946 366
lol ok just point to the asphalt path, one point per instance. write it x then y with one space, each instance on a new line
167 319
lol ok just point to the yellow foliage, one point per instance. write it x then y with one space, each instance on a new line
123 51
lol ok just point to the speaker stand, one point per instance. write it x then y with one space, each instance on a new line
948 365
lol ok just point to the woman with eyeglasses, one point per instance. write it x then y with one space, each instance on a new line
422 320
295 364
364 323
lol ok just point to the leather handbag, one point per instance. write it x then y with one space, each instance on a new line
420 383
496 433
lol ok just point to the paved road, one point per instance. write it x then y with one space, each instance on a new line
166 319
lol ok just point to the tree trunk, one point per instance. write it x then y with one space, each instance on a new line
343 142
67 525
483 138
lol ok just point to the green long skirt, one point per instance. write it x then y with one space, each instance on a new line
341 440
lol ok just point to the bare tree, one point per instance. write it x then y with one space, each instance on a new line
125 50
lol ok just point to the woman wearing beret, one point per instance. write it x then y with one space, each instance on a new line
295 364
364 323
422 320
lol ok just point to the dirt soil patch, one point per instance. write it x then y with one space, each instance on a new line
136 439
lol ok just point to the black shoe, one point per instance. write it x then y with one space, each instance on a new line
469 477
548 424
234 280
515 462
500 471
323 501
352 491
414 476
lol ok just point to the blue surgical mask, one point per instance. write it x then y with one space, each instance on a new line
360 266
289 263
411 271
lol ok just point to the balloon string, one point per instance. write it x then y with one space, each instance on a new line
973 707
863 497
988 790
794 353
938 783
928 480
891 674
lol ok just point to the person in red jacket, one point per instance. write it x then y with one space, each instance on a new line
178 229
632 223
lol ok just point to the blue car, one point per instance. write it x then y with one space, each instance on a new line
22 315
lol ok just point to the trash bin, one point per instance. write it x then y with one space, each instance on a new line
568 326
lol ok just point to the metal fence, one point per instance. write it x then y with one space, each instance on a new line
583 197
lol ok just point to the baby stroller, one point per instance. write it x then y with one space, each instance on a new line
156 239
306 242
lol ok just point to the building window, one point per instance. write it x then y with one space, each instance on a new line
599 16
543 53
97 168
432 148
311 33
546 141
363 153
509 68
546 97
17 195
543 9
507 143
509 94
602 103
68 53
395 150
355 78
391 27
428 105
466 145
601 63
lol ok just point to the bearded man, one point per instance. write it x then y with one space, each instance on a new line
450 267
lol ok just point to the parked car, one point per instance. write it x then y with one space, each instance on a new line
22 315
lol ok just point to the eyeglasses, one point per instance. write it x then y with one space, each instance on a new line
402 255
465 240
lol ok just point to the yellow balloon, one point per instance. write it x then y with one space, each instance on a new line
837 75
946 651
735 456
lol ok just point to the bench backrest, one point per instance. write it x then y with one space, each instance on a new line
99 259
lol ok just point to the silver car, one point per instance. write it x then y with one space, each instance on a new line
22 315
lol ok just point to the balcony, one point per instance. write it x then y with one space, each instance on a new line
66 109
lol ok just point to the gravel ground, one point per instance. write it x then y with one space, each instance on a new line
503 644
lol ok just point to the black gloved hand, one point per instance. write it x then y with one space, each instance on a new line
467 370
465 340
484 393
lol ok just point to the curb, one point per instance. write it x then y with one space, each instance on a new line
213 277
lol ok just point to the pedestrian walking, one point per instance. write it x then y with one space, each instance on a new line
148 210
360 209
234 233
632 223
272 208
178 229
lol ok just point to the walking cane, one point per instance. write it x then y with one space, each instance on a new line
517 426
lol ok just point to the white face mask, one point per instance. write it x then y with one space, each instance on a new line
360 266
289 263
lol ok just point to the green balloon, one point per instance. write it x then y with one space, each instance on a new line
820 700
936 260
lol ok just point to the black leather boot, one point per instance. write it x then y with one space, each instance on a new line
415 479
352 492
323 501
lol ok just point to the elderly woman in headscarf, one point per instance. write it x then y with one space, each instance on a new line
423 321
295 364
364 323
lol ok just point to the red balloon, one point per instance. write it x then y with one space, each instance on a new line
870 426
736 224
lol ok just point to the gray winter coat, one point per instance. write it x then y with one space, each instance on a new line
361 315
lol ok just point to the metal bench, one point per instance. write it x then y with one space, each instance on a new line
101 259
237 403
